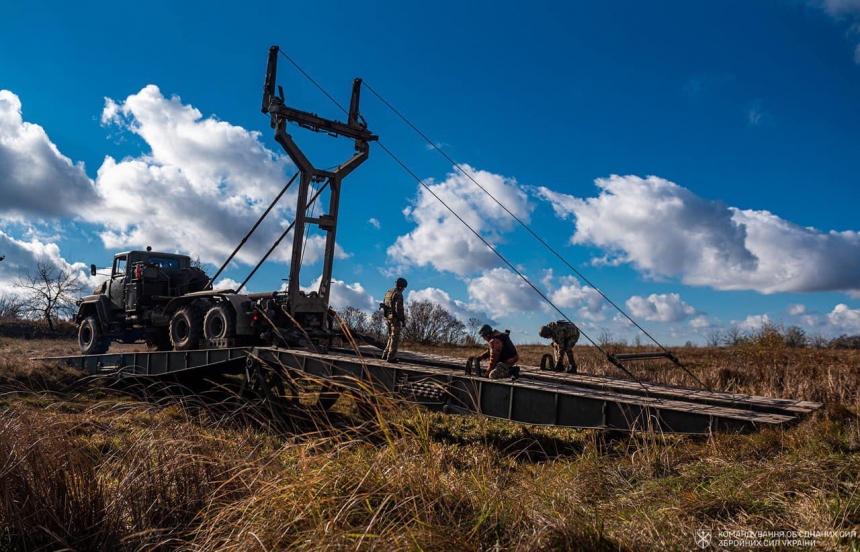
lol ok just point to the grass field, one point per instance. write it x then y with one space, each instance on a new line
89 467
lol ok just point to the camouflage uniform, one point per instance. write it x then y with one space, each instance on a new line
500 346
564 336
394 321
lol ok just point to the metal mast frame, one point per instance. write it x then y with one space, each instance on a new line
305 308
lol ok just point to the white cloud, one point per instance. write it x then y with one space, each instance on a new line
440 240
842 11
753 322
462 311
837 8
571 294
228 283
500 292
844 320
22 257
666 307
373 222
35 178
795 309
664 230
701 322
342 295
203 184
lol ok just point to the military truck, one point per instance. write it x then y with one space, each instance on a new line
164 301
161 299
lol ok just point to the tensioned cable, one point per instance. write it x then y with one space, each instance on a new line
528 228
256 225
502 257
493 249
545 298
515 217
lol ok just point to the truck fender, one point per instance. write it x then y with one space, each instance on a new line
94 305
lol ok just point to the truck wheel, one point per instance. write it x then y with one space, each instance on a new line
186 328
220 322
91 340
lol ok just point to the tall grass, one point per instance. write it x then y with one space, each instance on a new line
90 467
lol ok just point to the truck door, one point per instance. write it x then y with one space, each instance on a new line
116 286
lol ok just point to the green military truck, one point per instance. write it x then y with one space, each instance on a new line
162 300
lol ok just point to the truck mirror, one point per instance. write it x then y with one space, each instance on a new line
92 270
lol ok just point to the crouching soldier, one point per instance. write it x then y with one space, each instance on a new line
501 352
564 336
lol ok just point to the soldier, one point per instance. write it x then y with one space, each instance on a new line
502 353
392 308
564 336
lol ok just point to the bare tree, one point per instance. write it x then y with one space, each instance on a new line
49 292
714 337
376 326
11 305
796 337
355 319
734 336
472 330
429 322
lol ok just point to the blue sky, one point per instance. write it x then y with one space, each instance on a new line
696 161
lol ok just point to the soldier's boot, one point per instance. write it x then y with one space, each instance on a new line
392 360
572 369
515 372
559 367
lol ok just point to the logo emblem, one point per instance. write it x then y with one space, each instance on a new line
703 538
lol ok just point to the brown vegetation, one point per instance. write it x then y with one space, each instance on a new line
85 466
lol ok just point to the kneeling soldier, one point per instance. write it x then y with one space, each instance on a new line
501 352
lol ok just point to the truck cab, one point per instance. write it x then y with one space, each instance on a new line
131 304
137 276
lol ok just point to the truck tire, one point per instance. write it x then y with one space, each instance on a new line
220 322
186 328
91 339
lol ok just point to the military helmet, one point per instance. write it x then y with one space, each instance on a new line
486 329
401 282
544 332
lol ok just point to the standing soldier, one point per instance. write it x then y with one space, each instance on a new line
564 336
501 352
392 308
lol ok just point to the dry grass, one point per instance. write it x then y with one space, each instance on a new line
83 466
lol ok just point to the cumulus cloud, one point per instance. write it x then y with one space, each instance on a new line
201 186
442 241
22 256
342 295
753 322
35 178
500 292
571 294
373 222
845 11
461 310
664 230
666 307
795 309
843 320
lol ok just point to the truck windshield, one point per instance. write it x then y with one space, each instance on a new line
164 263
